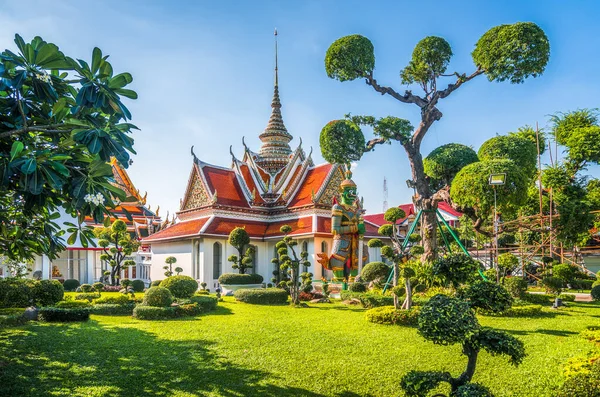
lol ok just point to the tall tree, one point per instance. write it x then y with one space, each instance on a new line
504 53
239 239
61 121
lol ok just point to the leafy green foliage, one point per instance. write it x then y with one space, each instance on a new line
375 271
394 214
487 296
357 287
522 151
472 390
237 279
507 263
565 272
138 285
57 133
55 314
207 303
117 245
516 286
455 269
158 297
512 52
430 59
72 304
583 384
445 320
170 261
89 296
470 188
180 286
553 285
419 383
113 300
144 312
269 296
47 292
110 309
239 239
341 142
368 300
389 315
595 292
294 281
565 124
349 58
444 162
71 284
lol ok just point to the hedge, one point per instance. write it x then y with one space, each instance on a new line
516 286
389 315
72 304
269 296
180 286
207 303
138 285
56 314
579 283
113 309
155 283
23 293
12 320
240 279
518 311
90 296
368 300
539 299
596 293
567 297
113 300
144 312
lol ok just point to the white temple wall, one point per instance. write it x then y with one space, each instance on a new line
182 250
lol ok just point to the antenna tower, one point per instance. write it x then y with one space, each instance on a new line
385 195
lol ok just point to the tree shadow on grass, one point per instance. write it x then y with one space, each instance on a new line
94 360
553 332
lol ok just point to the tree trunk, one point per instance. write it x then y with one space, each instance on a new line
423 201
471 352
408 300
395 284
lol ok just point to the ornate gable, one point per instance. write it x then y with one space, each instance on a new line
331 188
196 195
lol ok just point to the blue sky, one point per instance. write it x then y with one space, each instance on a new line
204 74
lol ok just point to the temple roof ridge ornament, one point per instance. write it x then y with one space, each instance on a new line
275 150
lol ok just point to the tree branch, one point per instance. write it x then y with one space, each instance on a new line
408 96
374 142
452 87
50 128
20 106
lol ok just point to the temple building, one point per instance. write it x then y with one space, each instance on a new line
83 263
261 191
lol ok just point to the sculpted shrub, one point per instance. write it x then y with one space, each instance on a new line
180 286
158 297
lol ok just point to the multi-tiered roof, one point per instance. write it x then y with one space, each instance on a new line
262 191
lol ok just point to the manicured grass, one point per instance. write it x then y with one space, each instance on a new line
248 350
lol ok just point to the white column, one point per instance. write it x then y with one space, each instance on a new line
91 259
46 268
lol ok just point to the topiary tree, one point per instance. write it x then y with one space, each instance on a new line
116 245
446 321
376 272
455 269
180 286
158 297
169 265
444 162
239 239
504 53
487 296
396 254
178 270
61 122
595 293
290 264
516 286
507 264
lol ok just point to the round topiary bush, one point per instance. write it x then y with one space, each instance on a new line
180 286
47 292
596 293
516 286
240 279
155 283
98 287
445 320
71 284
375 271
357 287
158 297
270 296
487 296
86 288
138 285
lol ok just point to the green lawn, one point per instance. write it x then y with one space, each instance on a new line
245 350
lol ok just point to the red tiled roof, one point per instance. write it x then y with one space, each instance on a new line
311 184
444 206
181 229
371 230
223 226
226 185
247 177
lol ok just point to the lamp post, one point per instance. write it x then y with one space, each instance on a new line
496 180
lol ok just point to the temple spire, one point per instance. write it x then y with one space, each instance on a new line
275 150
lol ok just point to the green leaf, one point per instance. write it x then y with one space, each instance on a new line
29 166
120 80
16 149
127 93
72 238
96 59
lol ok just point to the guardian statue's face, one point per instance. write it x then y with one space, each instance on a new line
348 195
